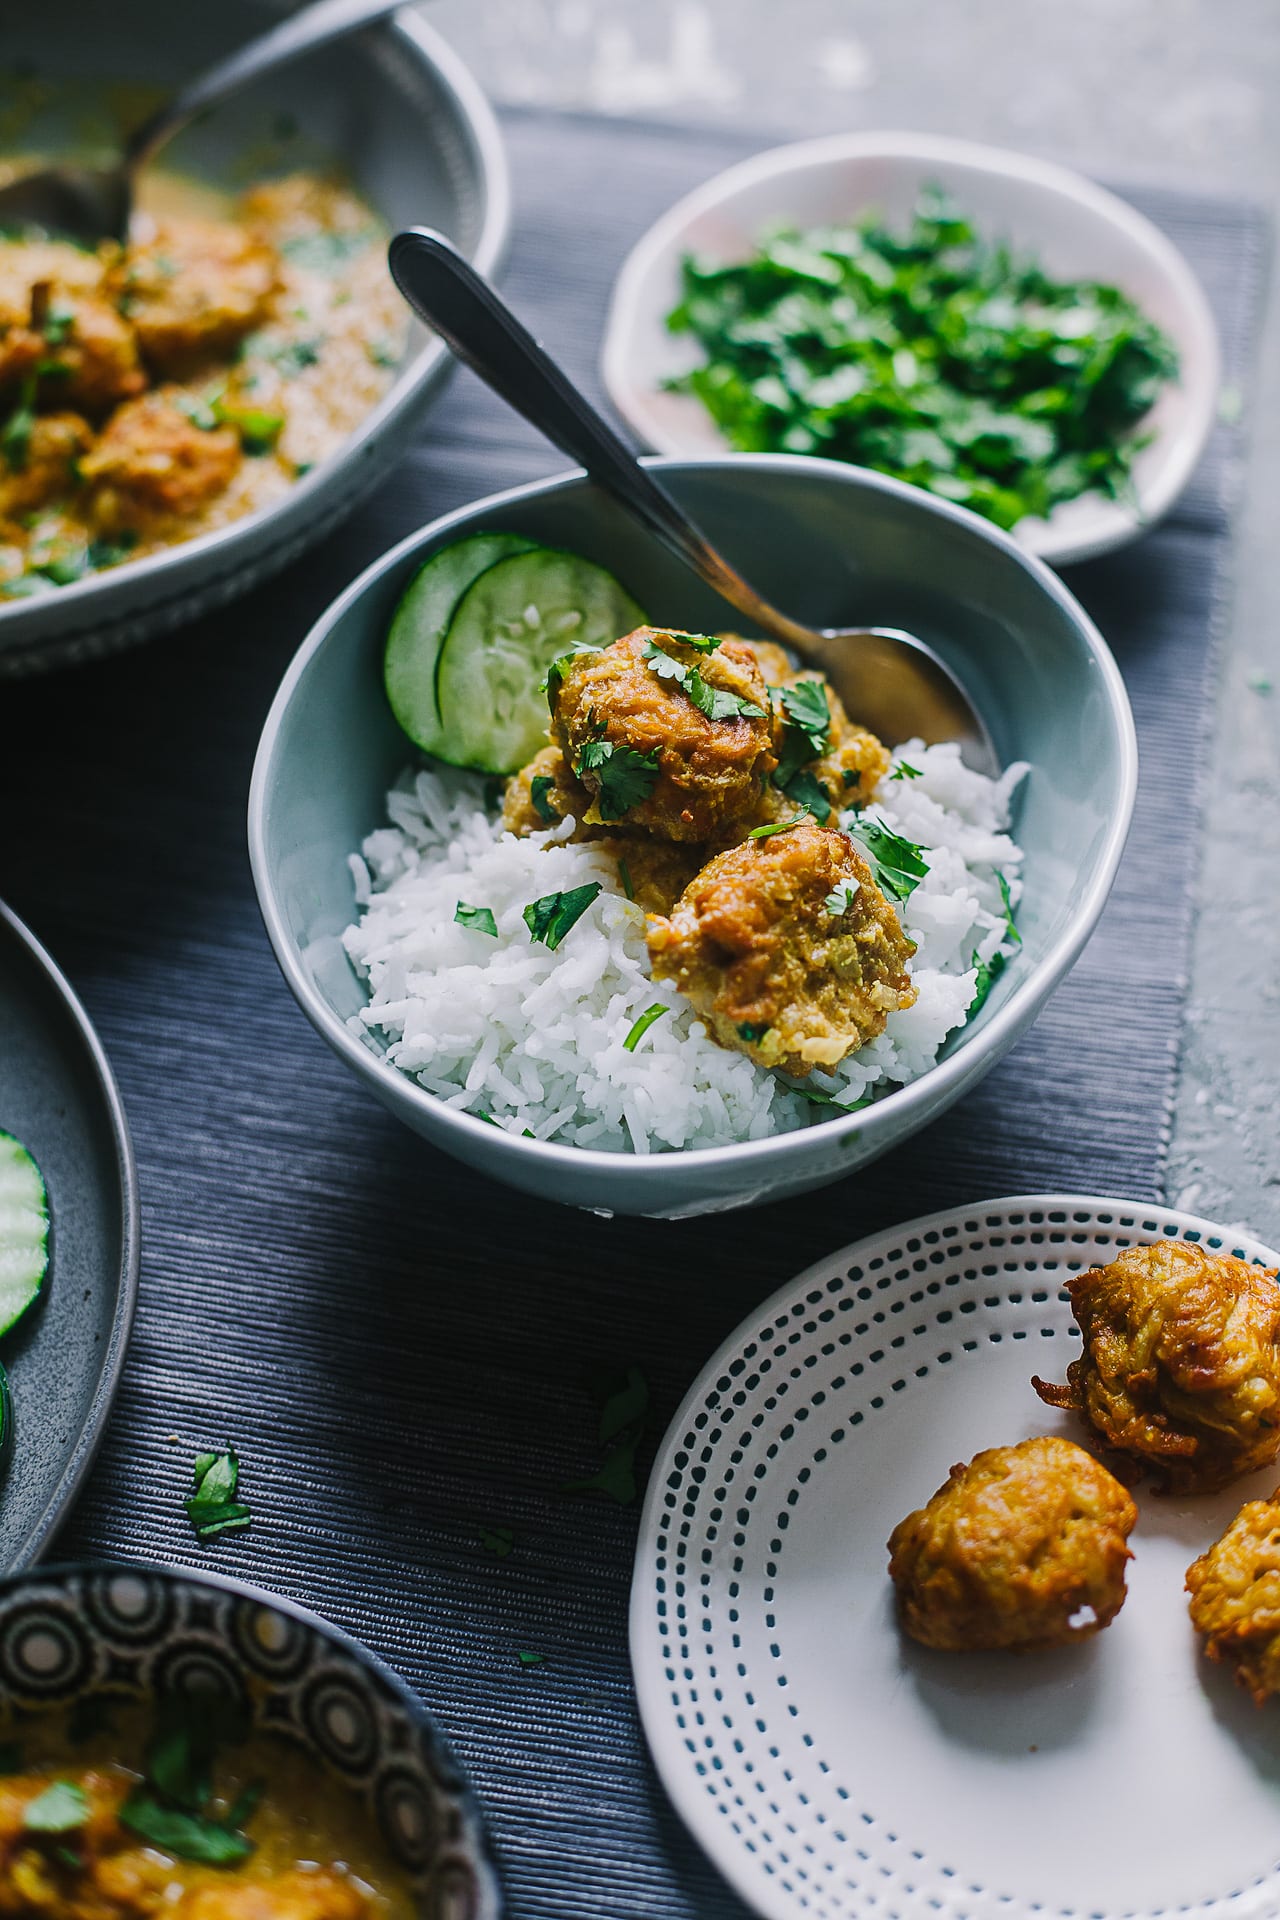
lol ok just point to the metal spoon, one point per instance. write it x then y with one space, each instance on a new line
89 204
888 680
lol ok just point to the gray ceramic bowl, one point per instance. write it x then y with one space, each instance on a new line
836 544
398 112
138 1633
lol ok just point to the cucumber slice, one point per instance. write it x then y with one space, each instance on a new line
420 622
505 632
24 1231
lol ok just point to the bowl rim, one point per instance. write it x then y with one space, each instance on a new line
1051 177
477 123
174 1573
775 1150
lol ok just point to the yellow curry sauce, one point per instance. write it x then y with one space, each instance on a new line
153 392
316 1853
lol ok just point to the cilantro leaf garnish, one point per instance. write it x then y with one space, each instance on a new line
988 972
714 702
898 865
539 787
15 436
188 1836
767 833
497 1540
1011 931
550 681
806 736
552 917
530 1659
750 1033
59 324
642 1027
817 1098
213 1509
479 919
841 898
628 885
806 706
808 792
61 1808
624 777
903 770
624 1408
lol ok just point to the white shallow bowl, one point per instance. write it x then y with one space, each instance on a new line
832 1768
1077 230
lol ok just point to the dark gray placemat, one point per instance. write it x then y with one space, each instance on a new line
397 1346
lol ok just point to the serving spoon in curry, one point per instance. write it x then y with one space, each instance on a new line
89 204
888 680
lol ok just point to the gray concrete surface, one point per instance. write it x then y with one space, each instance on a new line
1177 90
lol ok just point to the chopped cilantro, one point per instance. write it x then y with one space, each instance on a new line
624 1408
897 865
479 919
528 1659
767 833
816 1098
288 357
213 1509
808 792
539 787
552 917
805 737
752 1034
550 682
714 702
496 1540
258 429
188 1836
109 553
841 898
1011 931
15 435
624 777
932 354
905 771
199 412
988 972
59 324
61 1808
381 353
624 874
327 251
642 1026
807 708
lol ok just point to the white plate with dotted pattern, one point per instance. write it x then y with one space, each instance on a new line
829 1766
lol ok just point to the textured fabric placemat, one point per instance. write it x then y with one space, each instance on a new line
396 1346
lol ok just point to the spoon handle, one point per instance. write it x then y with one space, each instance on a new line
315 26
486 336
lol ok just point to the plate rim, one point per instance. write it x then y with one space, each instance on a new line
1054 548
111 1366
662 1739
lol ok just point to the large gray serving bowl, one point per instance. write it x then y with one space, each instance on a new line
836 545
394 109
131 1634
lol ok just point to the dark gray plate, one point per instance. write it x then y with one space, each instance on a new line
57 1094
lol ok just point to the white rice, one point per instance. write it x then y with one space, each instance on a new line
533 1039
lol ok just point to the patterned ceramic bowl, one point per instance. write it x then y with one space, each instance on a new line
140 1633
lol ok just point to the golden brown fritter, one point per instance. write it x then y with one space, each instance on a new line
703 777
289 1896
45 466
1025 1547
542 794
153 460
653 873
1181 1362
787 948
59 328
196 289
1235 1596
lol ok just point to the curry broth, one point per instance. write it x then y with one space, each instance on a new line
307 1819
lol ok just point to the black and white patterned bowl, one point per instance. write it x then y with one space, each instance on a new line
138 1632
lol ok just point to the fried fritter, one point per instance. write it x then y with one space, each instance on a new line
1025 1547
699 778
48 464
787 948
1181 1362
542 794
196 289
1235 1596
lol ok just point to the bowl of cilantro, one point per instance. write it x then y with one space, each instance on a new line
988 326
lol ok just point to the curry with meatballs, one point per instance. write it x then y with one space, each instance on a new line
154 391
1235 1597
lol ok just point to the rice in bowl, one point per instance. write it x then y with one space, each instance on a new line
533 1038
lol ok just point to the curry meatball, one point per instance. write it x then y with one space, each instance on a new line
197 288
653 873
45 465
153 460
668 733
1181 1362
1235 1596
544 793
58 327
1025 1547
289 1896
787 948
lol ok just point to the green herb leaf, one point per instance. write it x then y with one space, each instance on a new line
642 1026
903 770
199 412
327 251
188 1836
15 436
552 917
841 898
539 787
497 1540
212 1508
616 1479
59 324
1011 930
624 874
897 865
244 1806
528 1659
816 1098
625 1407
808 792
109 553
61 1808
806 706
767 833
988 972
479 919
228 1518
752 1034
258 430
179 1763
714 702
625 778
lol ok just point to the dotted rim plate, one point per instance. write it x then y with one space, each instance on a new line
829 1767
